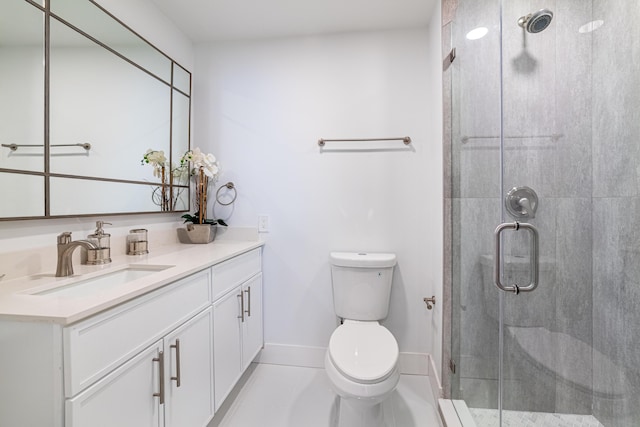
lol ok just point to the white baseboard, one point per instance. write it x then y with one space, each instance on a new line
292 355
313 357
414 363
434 380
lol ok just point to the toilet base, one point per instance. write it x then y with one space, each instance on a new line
358 413
360 404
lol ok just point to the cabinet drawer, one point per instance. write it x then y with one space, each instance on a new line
231 273
96 346
124 398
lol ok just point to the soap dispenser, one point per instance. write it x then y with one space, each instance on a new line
101 255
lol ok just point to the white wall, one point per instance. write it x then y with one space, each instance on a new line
261 106
148 21
436 258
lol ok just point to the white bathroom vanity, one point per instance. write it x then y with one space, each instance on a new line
157 341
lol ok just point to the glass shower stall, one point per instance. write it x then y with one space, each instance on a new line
542 138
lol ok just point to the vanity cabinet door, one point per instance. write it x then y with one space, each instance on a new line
96 346
252 330
124 398
227 342
189 373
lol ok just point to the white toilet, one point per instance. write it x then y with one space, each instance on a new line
362 358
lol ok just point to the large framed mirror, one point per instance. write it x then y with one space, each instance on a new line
82 99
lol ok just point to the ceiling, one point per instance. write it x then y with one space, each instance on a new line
213 20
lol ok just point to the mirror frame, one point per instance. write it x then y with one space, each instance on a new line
46 174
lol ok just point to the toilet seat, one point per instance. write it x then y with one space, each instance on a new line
364 352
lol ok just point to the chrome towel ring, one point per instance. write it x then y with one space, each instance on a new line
228 186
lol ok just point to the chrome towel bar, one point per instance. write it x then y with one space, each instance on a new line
406 140
14 147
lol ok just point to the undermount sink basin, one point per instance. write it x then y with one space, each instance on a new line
80 286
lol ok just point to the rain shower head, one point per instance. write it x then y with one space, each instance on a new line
537 21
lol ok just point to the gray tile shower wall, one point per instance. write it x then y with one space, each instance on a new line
616 192
616 320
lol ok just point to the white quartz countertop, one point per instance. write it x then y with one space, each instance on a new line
26 298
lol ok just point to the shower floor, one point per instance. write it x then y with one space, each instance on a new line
489 418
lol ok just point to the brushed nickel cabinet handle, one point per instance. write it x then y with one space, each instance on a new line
160 360
248 291
177 377
241 296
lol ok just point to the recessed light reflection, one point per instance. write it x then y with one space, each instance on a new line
477 33
591 26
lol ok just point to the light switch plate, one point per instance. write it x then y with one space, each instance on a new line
263 223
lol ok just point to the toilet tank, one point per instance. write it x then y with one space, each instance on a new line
361 284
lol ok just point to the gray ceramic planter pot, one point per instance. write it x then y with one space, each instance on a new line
197 233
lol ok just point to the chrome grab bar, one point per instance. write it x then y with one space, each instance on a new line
534 257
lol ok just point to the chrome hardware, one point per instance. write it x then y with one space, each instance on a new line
554 137
229 186
64 238
98 256
248 291
449 59
160 360
430 302
14 147
177 377
137 242
102 240
537 21
137 248
521 202
406 140
241 296
534 257
65 251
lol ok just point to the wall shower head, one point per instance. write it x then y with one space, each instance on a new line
537 21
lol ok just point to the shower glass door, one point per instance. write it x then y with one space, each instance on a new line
476 207
546 145
556 112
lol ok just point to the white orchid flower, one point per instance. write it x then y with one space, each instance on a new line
200 160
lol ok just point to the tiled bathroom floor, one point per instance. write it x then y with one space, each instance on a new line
286 396
489 418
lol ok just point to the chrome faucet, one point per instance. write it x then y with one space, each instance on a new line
65 250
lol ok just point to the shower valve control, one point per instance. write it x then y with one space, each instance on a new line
521 202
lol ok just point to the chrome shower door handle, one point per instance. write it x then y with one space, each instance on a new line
534 262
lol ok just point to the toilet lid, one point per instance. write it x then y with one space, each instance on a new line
363 351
